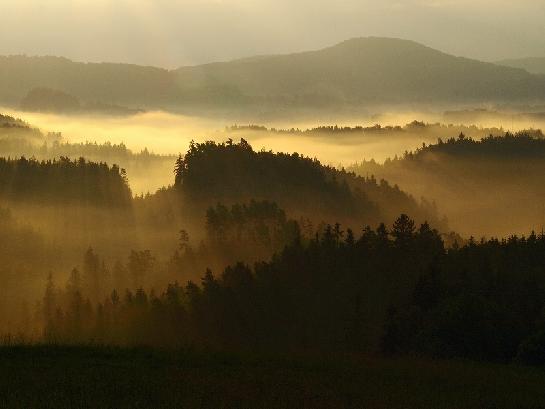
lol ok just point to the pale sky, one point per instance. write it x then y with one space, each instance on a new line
171 33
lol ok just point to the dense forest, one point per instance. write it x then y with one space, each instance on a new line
272 204
63 181
252 253
228 201
230 172
467 178
397 290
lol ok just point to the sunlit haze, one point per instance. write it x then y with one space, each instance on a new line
172 33
272 204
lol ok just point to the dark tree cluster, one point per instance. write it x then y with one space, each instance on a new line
331 292
523 145
483 301
475 182
415 127
398 290
251 231
233 172
63 180
262 223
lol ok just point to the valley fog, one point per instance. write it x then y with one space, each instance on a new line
170 134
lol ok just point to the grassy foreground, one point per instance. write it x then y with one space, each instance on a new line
89 377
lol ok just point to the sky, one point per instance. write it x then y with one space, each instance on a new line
172 33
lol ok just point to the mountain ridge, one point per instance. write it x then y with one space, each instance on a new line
360 71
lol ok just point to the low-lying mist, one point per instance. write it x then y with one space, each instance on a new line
169 134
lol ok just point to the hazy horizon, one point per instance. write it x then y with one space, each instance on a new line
196 32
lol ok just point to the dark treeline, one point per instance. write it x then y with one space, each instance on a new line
233 172
396 290
63 180
468 178
525 144
422 129
146 170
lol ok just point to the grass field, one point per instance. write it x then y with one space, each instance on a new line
96 377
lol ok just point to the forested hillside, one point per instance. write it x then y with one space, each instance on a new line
491 186
232 172
395 289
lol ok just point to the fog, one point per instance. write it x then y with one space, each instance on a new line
165 133
168 133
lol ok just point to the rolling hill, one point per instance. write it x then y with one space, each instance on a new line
363 71
492 186
356 72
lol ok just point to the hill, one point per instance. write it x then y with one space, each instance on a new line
119 84
360 71
356 72
534 65
233 172
468 179
49 100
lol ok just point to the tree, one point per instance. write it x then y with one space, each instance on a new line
403 230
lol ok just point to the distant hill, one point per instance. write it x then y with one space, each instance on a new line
50 100
119 84
357 72
361 71
534 65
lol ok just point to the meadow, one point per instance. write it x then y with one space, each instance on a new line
49 376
